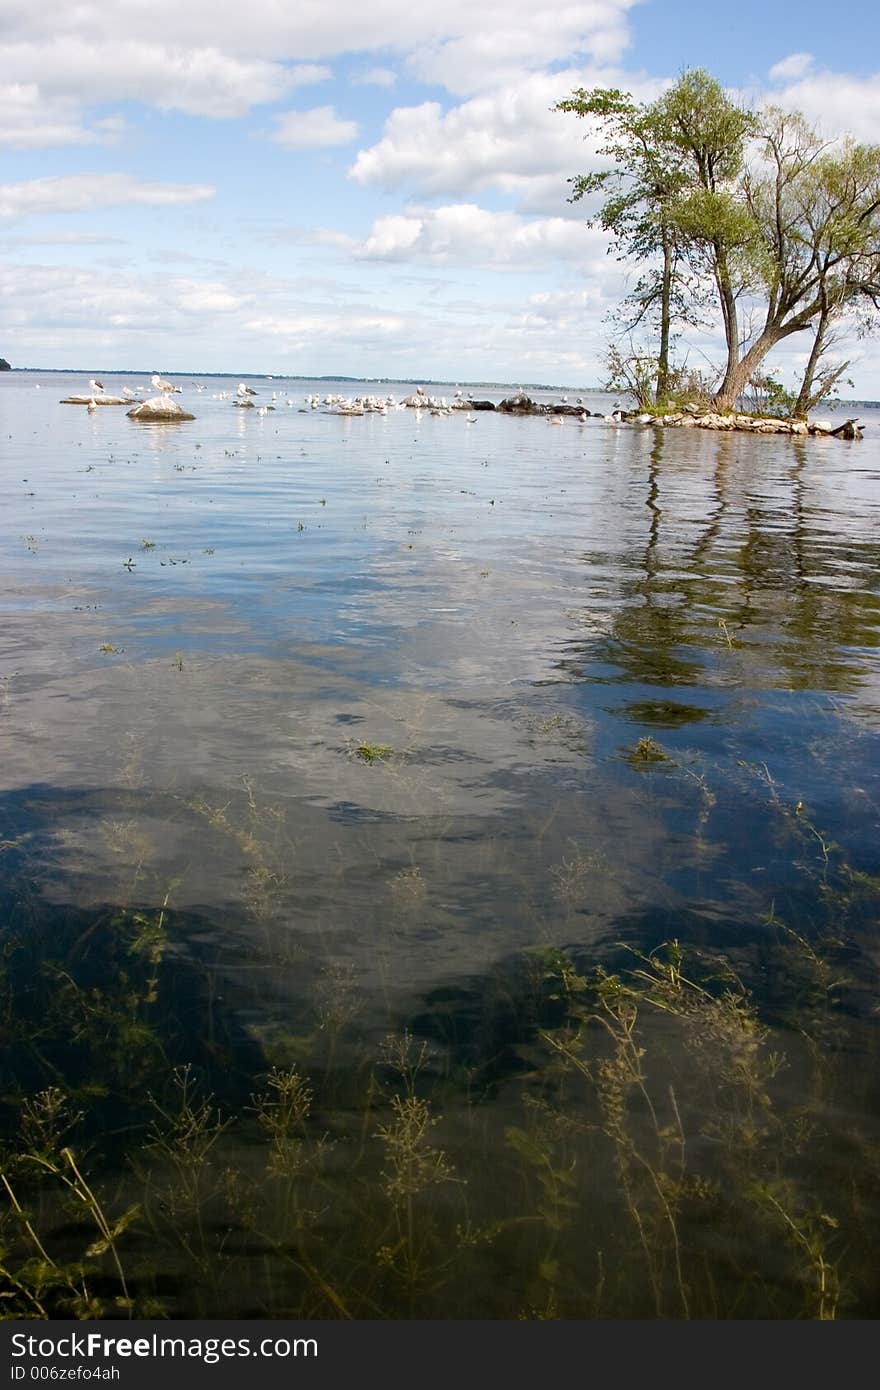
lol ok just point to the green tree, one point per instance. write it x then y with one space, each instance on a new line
708 134
784 225
641 190
817 210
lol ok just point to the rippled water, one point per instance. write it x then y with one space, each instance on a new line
368 715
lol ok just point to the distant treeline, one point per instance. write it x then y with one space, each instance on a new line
299 376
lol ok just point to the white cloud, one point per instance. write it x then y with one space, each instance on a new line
30 121
510 140
45 296
316 129
836 103
513 38
793 66
182 55
85 192
304 330
200 80
63 239
465 234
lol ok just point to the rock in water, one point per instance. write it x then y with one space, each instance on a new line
520 404
159 408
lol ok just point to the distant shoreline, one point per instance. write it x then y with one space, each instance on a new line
324 376
374 381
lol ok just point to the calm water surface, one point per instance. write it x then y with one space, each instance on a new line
370 749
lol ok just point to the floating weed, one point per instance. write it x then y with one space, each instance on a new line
373 752
177 663
724 629
109 649
148 545
647 750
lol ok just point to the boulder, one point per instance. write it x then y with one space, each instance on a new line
4 365
159 408
521 404
481 405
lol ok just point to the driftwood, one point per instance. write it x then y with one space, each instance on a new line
97 399
848 430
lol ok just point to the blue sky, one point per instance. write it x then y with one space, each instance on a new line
371 190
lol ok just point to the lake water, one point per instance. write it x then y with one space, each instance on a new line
440 861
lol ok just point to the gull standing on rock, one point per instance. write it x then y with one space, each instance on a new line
164 386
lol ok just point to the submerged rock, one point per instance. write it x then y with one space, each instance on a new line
159 408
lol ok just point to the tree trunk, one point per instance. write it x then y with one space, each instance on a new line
802 404
739 373
665 317
731 321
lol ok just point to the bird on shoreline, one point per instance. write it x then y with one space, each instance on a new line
96 386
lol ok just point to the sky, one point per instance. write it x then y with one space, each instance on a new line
321 187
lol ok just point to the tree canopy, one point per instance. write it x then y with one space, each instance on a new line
750 210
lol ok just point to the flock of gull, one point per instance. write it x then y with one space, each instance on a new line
334 404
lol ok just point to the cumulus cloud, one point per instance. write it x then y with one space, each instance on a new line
179 57
29 121
513 38
85 192
793 66
510 140
465 234
199 81
316 129
835 102
90 304
313 30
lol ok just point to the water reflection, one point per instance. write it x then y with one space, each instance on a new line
365 767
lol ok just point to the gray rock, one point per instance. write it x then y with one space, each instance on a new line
159 408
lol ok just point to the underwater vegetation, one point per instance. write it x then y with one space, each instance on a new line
615 1132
